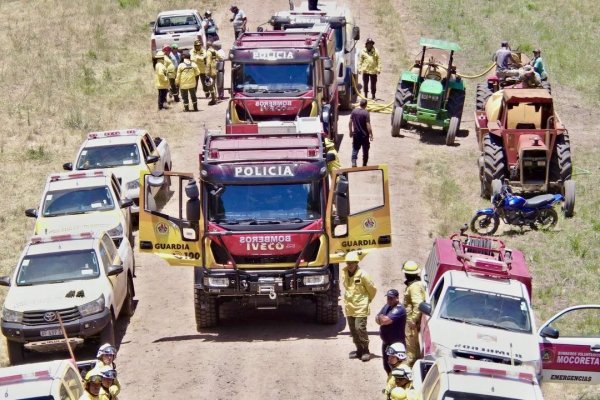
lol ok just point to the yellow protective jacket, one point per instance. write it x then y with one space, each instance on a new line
161 77
359 292
212 57
368 61
187 72
170 67
413 296
335 164
110 394
199 57
87 396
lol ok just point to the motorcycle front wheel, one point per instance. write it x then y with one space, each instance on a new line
485 224
546 219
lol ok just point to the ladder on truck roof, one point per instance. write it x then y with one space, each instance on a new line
482 255
311 39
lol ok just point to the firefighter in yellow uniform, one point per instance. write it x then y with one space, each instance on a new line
413 296
212 57
399 393
400 370
92 384
161 79
369 66
335 162
187 71
359 292
198 56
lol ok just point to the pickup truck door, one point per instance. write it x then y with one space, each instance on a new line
570 346
165 229
358 211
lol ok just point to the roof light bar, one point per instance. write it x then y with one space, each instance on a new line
493 372
77 175
32 376
61 238
122 132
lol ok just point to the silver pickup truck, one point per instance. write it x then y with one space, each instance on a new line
177 26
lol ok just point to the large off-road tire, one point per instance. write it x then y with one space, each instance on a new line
397 122
404 94
129 304
482 96
456 103
207 310
108 333
16 355
561 167
545 220
452 130
485 224
494 163
569 194
327 306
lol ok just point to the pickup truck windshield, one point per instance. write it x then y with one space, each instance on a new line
77 201
264 78
58 267
470 396
170 21
108 156
264 204
486 309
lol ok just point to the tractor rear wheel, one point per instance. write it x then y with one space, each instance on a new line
397 122
561 166
482 96
569 193
207 310
494 163
452 129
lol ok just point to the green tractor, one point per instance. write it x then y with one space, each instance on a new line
431 93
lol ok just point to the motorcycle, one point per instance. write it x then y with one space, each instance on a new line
537 212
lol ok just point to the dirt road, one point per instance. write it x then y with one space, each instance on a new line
267 354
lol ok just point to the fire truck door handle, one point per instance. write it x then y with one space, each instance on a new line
595 348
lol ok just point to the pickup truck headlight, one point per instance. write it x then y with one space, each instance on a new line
135 184
12 316
93 307
316 280
116 232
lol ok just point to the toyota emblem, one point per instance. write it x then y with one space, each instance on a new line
50 316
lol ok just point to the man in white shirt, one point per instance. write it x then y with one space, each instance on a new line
239 21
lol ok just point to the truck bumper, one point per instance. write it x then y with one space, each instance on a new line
31 335
250 283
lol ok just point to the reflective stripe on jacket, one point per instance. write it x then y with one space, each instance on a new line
187 72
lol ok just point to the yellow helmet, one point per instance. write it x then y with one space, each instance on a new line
93 375
352 256
411 268
398 393
159 54
329 144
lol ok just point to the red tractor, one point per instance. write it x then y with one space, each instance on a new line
523 141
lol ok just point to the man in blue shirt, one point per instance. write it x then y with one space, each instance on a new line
392 321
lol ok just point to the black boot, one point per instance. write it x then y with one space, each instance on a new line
186 108
366 355
195 106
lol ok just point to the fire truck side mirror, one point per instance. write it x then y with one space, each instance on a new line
157 180
355 33
328 76
425 308
549 332
220 66
342 204
192 206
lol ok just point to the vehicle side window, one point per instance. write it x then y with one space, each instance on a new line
145 150
117 189
64 393
109 247
73 382
149 143
437 293
435 392
578 323
431 383
106 259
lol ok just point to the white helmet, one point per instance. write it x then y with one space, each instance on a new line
396 349
107 349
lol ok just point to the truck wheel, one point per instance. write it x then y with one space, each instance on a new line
346 98
207 310
327 306
494 164
397 122
108 333
482 96
569 193
452 129
561 166
128 304
15 352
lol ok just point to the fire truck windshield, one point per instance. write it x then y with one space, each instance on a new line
265 204
267 78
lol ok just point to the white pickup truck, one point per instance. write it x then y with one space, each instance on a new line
464 379
83 280
177 26
126 152
51 380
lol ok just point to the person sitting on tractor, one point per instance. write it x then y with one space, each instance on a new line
503 60
538 64
529 78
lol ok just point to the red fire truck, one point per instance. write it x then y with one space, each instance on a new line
283 75
266 223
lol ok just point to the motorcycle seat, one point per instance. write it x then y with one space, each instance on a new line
539 201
